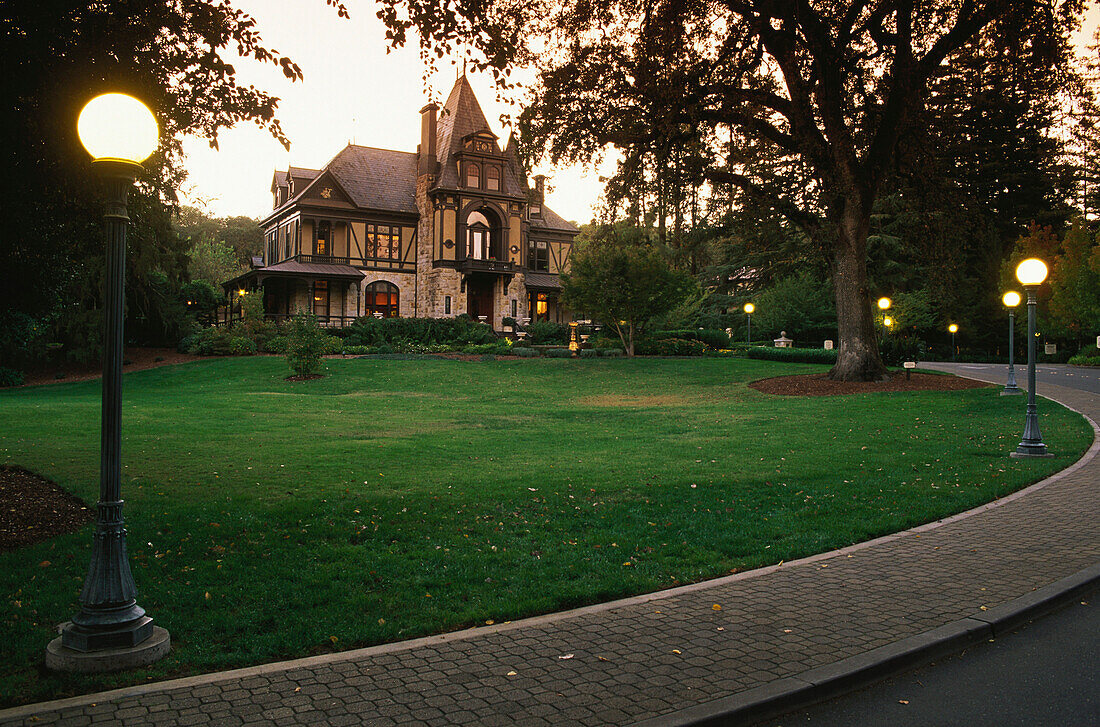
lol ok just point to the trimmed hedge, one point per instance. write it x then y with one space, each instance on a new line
793 355
710 336
541 332
669 347
455 332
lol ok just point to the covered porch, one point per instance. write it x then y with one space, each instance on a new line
331 291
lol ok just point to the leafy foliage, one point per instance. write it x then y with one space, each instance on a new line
305 344
792 355
624 286
458 331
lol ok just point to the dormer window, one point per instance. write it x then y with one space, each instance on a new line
473 175
492 178
535 209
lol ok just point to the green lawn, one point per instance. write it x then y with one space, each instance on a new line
393 499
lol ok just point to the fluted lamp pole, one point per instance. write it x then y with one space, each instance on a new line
1011 299
749 308
112 631
954 328
1031 273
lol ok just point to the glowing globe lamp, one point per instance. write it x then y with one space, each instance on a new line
749 307
1011 299
884 303
117 127
1032 271
953 328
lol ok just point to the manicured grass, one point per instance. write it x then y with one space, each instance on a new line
392 499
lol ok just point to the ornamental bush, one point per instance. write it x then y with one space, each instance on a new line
544 332
242 346
306 343
1086 359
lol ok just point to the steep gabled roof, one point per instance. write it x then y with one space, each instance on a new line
379 179
460 117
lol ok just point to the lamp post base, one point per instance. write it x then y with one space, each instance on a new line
63 659
1031 450
1011 390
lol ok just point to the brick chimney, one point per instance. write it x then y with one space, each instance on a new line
540 183
428 164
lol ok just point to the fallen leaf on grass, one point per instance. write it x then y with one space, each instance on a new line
677 651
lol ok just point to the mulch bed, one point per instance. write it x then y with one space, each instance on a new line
139 358
33 509
821 385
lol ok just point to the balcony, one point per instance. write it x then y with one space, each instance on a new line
474 265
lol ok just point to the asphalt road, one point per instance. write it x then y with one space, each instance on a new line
1073 377
1047 673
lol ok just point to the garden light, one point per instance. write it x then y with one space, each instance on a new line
749 308
1031 272
112 631
1011 299
117 127
884 303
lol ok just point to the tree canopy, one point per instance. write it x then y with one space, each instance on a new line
802 106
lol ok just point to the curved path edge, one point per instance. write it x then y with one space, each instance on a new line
779 695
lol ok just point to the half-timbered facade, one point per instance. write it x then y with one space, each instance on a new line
449 229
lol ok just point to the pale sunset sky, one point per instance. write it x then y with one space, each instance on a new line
353 91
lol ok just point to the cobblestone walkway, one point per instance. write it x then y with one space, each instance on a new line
619 663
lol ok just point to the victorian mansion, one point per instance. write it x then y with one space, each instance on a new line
450 229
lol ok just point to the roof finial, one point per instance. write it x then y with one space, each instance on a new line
463 67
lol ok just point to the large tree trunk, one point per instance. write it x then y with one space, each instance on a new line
858 358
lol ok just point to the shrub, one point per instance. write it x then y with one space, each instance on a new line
333 345
712 337
525 352
590 353
456 332
542 332
1086 359
357 350
601 341
896 350
305 344
241 346
495 348
612 352
274 344
557 353
793 355
10 377
212 341
669 347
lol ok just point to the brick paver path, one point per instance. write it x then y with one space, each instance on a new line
618 663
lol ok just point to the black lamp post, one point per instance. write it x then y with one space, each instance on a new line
1011 299
954 328
749 308
112 631
1031 272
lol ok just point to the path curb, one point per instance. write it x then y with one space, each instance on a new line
833 680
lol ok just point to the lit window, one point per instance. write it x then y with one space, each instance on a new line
320 299
381 297
477 226
492 178
473 175
383 241
324 234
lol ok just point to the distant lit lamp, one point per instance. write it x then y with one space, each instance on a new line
887 321
749 308
112 631
1011 299
954 329
1031 273
884 303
